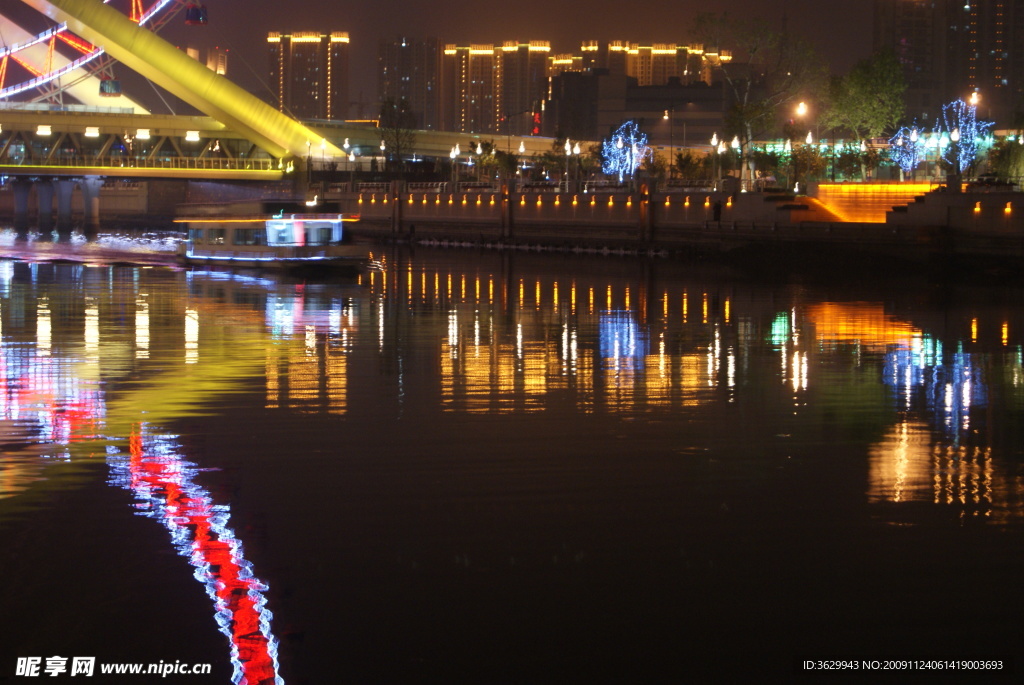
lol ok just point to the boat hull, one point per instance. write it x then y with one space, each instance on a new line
285 258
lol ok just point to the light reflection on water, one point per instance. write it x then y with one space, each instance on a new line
742 379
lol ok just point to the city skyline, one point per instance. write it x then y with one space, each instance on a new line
241 30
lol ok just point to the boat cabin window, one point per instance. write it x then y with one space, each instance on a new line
215 236
280 233
195 236
250 236
320 234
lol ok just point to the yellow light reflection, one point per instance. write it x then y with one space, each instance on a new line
191 336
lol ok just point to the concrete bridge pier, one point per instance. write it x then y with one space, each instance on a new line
44 197
91 205
65 188
21 187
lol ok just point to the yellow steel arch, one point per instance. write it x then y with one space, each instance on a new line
156 59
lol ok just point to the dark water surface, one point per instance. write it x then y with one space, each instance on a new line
482 468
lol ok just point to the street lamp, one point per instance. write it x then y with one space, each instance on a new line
738 150
670 114
453 155
714 148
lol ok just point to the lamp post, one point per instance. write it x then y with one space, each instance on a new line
568 151
714 150
954 139
351 158
453 154
738 150
801 112
670 114
576 161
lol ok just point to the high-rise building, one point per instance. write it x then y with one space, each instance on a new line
216 58
469 78
952 48
410 70
309 73
655 64
522 79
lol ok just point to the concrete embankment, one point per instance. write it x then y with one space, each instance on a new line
768 224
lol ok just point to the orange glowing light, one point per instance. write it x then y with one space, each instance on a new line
667 202
1009 207
575 200
83 46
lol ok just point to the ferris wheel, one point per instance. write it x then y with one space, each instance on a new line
41 61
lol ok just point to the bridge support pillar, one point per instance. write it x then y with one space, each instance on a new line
44 197
22 187
91 204
65 188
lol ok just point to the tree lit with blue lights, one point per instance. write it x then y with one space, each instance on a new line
624 151
907 148
965 133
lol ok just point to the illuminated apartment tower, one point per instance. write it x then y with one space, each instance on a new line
523 81
410 70
951 48
469 78
217 60
309 73
559 64
655 64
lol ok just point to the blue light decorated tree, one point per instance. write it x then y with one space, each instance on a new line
965 133
907 148
624 151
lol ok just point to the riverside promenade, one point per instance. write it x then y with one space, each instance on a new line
912 221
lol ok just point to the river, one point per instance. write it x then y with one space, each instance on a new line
483 467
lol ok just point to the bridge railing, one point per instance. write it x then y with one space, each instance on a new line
162 162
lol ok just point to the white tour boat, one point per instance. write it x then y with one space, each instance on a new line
267 234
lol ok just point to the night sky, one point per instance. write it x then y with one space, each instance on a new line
843 35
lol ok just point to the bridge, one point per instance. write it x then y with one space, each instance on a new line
58 148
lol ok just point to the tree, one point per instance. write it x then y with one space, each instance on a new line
868 101
691 166
764 71
397 129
